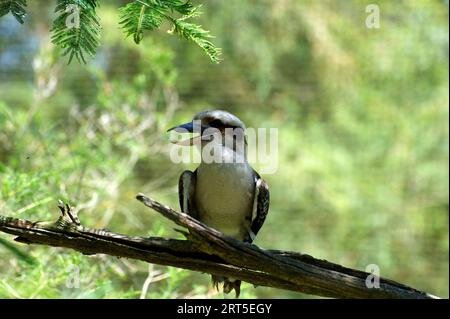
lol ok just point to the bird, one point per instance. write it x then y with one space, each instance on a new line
224 191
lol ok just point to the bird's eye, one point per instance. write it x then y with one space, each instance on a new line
216 123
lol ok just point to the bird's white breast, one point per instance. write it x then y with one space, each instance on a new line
224 197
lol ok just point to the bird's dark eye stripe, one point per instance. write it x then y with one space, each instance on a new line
216 123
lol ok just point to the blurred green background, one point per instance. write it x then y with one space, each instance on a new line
363 139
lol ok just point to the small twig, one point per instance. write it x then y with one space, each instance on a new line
147 281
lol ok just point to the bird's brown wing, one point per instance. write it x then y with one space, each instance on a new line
260 206
186 193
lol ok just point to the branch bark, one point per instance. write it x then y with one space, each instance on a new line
209 251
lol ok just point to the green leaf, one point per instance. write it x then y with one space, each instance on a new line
148 15
197 34
183 7
16 7
136 17
18 252
77 29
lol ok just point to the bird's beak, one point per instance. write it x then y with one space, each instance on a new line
183 128
189 127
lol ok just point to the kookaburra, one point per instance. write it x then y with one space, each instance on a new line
224 192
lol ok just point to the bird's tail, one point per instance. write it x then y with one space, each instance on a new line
228 284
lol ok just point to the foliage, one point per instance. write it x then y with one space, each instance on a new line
82 35
138 16
16 7
77 29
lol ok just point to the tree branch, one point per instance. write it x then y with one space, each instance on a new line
209 251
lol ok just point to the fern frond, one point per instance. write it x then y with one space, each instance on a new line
181 6
77 29
136 17
16 7
198 35
142 15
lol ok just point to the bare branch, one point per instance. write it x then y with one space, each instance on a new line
209 251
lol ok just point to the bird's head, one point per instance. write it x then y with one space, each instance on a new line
215 126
